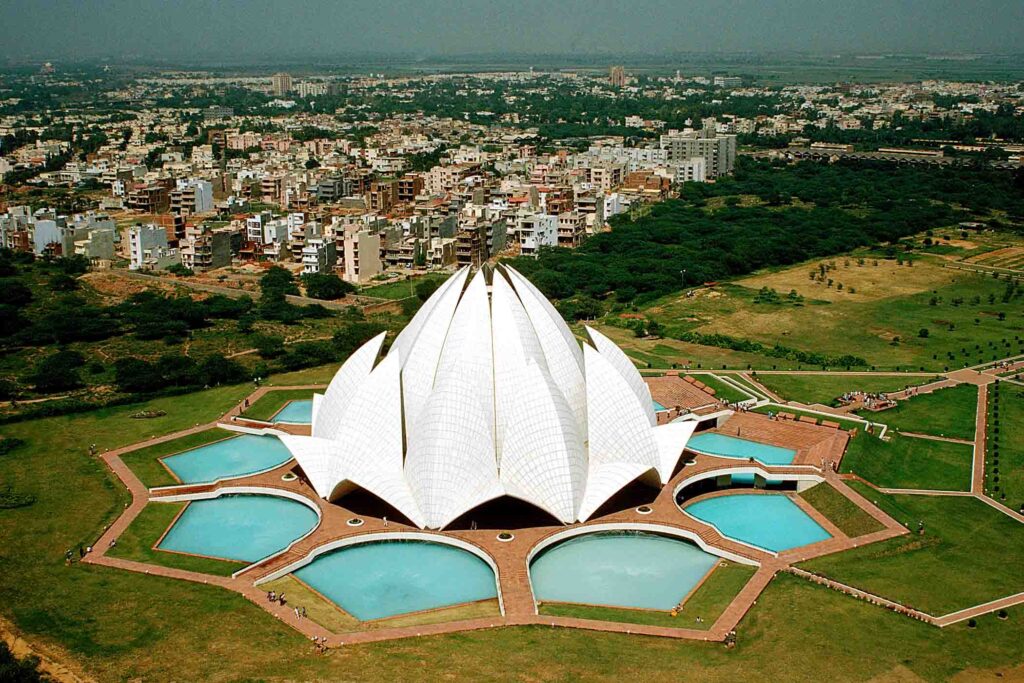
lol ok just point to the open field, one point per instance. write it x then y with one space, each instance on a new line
850 519
946 412
1008 442
917 317
708 602
909 463
137 542
825 389
399 289
969 554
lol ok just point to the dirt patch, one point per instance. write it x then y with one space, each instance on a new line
48 665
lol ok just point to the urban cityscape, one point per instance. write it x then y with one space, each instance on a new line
393 347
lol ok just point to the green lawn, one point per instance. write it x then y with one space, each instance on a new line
119 625
905 462
841 511
1007 405
969 554
270 403
826 388
145 462
946 412
137 541
723 391
401 289
708 603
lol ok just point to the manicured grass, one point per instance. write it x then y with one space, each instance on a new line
145 462
969 554
137 541
723 391
119 625
318 609
826 388
844 424
946 412
841 511
471 610
270 403
905 462
1007 405
708 603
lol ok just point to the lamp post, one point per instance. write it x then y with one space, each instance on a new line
682 277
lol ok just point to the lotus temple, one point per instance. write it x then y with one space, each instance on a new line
491 466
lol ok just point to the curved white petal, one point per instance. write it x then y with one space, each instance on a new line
625 367
671 439
419 365
339 392
450 464
562 352
618 428
543 459
407 337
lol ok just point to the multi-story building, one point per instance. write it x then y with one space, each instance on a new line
280 84
409 187
319 255
192 196
572 229
151 198
718 151
204 249
147 247
617 76
361 254
535 230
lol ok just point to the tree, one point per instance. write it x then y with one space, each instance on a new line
268 345
923 333
16 670
16 293
425 288
180 270
327 286
352 336
135 376
62 282
58 372
278 281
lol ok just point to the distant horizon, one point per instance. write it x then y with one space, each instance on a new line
247 31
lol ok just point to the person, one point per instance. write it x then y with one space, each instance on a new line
67 556
81 552
272 596
280 599
385 520
303 612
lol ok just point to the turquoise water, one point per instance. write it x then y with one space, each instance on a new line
658 406
732 447
770 521
228 458
622 569
384 578
245 528
297 412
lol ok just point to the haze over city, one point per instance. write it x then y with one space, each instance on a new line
270 30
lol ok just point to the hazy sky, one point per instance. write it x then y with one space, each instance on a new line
271 29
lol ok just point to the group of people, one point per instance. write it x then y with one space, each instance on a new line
319 644
273 596
871 401
69 554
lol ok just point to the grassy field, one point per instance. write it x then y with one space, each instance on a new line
921 317
946 412
708 603
826 388
1008 409
909 463
270 403
723 391
145 462
969 554
841 511
137 542
400 289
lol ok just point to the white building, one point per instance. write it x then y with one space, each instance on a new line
449 420
147 247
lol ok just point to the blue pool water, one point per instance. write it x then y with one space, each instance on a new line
297 412
245 528
384 578
228 458
724 446
770 521
657 406
620 570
